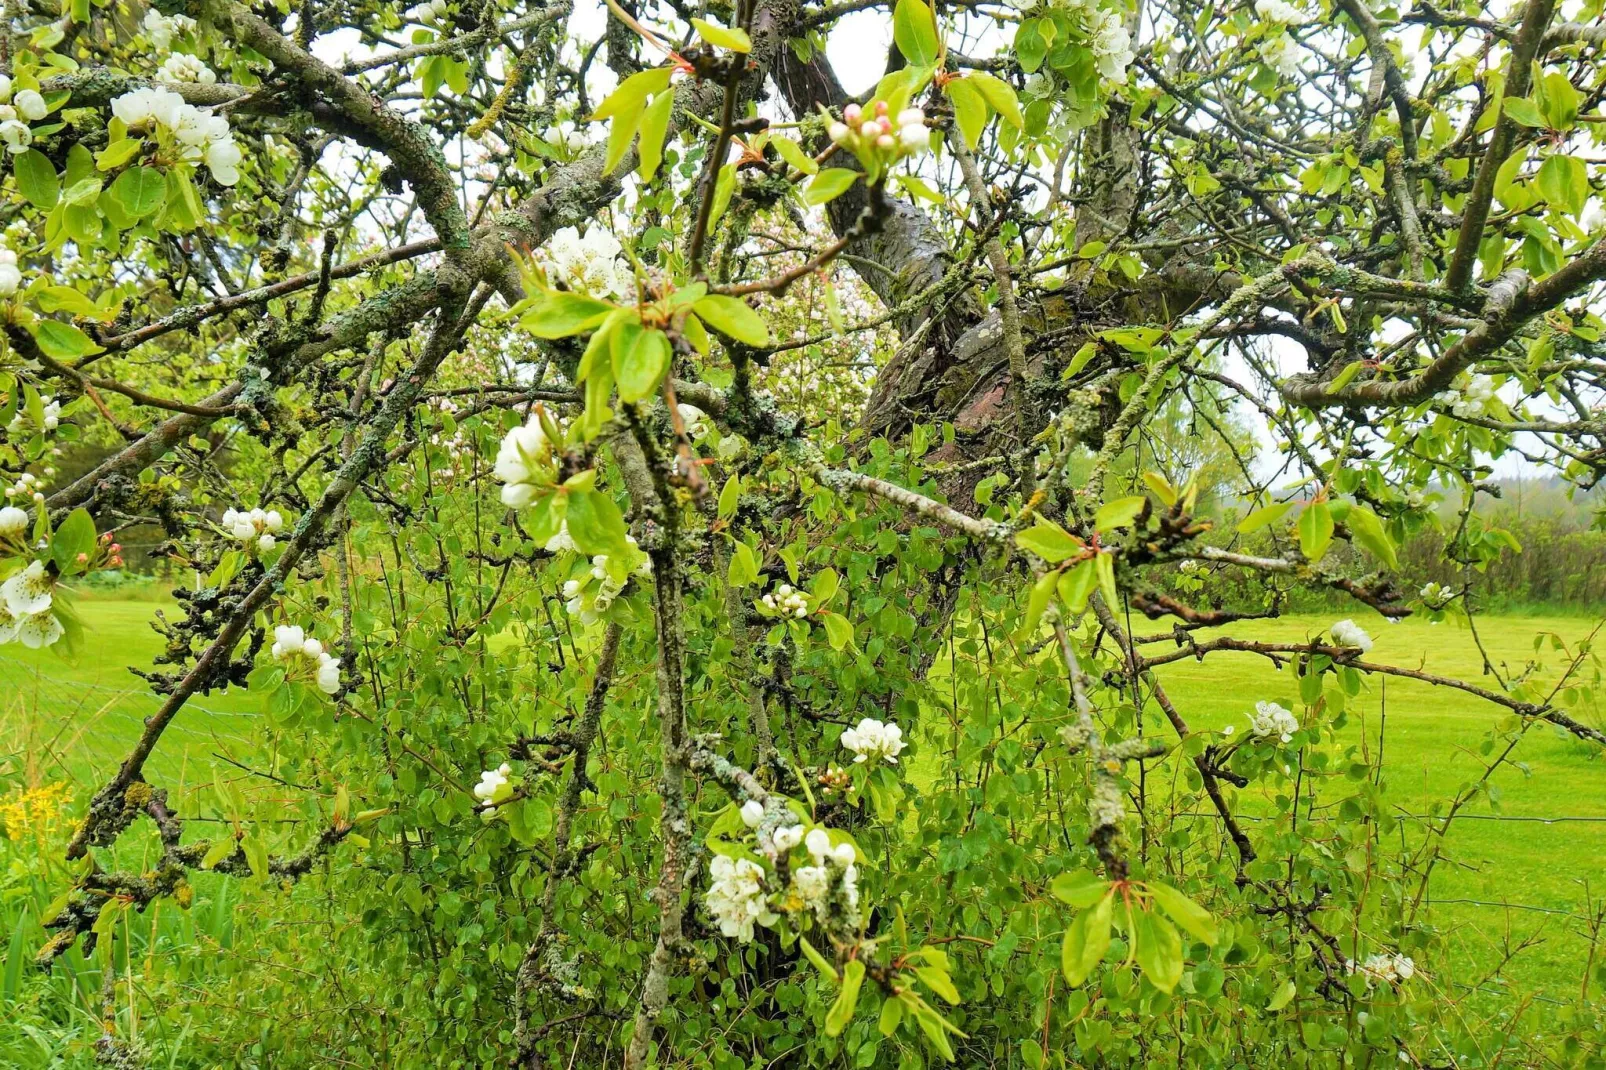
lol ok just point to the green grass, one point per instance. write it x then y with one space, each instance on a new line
1517 871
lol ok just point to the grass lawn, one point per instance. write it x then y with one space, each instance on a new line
1504 875
1500 879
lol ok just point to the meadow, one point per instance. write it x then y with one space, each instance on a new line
1514 873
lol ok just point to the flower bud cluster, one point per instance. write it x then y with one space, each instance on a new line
21 423
787 602
305 656
889 137
27 487
253 528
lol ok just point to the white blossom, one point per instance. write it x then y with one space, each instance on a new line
872 739
1270 720
1281 53
590 264
29 591
1386 966
736 898
524 463
787 602
10 274
787 838
1348 633
1112 46
13 522
1436 594
205 135
752 813
562 543
494 787
181 67
31 104
16 135
161 29
253 528
1279 11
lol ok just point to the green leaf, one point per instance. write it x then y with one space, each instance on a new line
1105 565
1079 888
1347 376
633 92
939 982
721 37
1000 96
829 184
640 370
1086 941
827 970
1525 112
914 28
1037 603
1261 517
1184 911
220 849
838 630
1158 949
1120 513
256 853
560 314
970 109
75 536
734 318
1049 541
36 179
654 127
793 153
1315 530
1563 181
595 523
1076 584
140 191
724 187
62 341
621 132
1161 486
118 153
847 999
743 571
730 496
1557 99
1366 529
1280 998
891 1016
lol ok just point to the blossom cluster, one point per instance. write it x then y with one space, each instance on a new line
739 896
1470 401
161 29
26 601
292 645
589 264
201 136
787 602
895 138
871 740
1386 966
1270 719
17 109
494 787
182 67
524 463
253 528
1436 594
1349 634
1105 30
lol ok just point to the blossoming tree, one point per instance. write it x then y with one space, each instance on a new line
684 522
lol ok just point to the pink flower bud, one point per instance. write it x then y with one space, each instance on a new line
881 109
850 114
886 141
83 558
